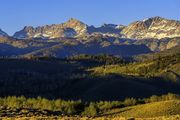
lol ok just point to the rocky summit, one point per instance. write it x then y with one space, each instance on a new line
71 28
155 27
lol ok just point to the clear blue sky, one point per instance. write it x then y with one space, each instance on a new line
15 14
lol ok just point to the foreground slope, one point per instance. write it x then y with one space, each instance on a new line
164 110
155 109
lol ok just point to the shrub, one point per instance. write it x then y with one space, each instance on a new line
130 102
171 96
154 98
90 111
106 105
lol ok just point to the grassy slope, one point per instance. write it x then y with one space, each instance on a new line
156 109
146 68
134 70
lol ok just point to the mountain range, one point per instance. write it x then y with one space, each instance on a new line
75 37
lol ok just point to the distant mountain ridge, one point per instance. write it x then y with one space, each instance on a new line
72 28
155 27
75 37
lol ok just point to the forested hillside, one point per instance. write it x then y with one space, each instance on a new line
91 78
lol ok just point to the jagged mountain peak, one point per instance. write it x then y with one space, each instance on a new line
28 27
109 25
115 26
74 20
146 23
77 25
3 34
156 18
111 30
